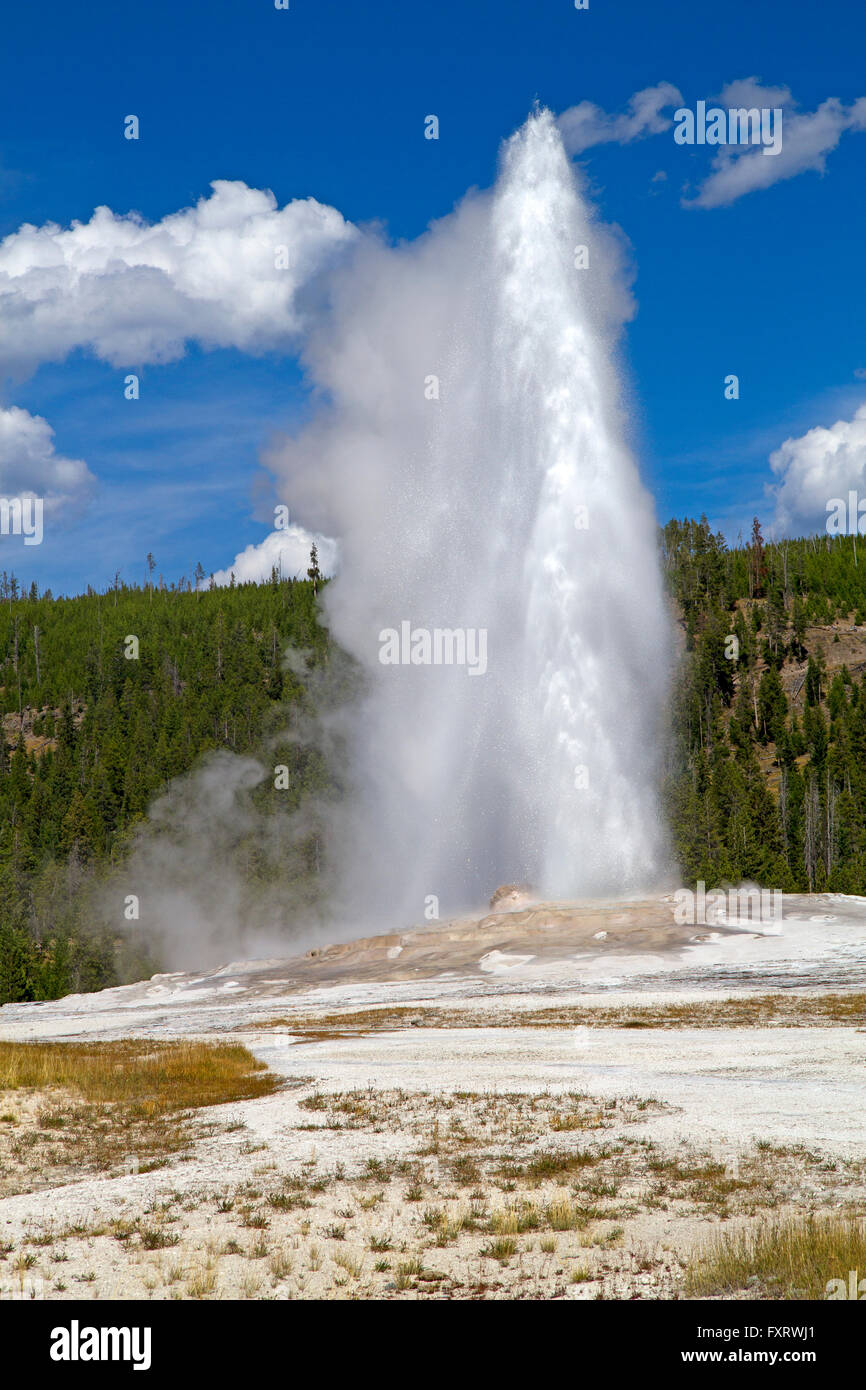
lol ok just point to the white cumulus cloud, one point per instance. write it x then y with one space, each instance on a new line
226 273
816 467
30 465
287 551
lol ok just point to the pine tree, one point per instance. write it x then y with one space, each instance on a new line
314 574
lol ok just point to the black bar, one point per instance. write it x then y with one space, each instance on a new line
220 1338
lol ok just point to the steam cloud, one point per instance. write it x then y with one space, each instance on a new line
469 456
463 512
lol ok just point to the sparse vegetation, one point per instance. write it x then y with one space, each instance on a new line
509 1213
785 1009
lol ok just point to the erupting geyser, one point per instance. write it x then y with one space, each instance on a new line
469 457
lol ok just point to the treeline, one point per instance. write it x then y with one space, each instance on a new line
767 777
105 698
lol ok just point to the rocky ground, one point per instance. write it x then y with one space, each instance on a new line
544 1101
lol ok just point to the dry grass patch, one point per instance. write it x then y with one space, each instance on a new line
780 1010
554 1165
148 1078
92 1106
794 1258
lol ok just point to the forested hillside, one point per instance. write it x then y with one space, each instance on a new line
768 768
105 698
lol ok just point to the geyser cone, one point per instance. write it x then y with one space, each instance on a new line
470 462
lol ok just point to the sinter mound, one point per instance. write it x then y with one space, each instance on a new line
510 895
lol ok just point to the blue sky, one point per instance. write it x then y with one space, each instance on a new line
327 100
